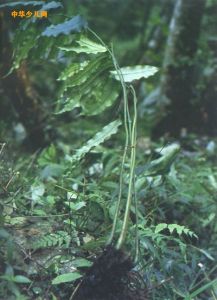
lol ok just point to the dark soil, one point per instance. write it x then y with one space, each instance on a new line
111 278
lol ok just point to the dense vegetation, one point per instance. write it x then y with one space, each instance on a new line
108 177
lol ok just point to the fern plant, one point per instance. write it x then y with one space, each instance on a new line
57 239
89 86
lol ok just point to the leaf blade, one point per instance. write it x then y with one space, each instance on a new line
67 277
74 25
135 72
99 138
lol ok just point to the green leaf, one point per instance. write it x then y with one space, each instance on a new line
17 220
60 238
51 5
180 229
17 278
7 277
210 284
81 262
67 277
86 46
134 73
69 104
161 165
99 138
72 70
90 72
172 227
74 25
39 212
21 279
93 97
25 39
4 234
47 156
207 254
52 170
101 98
94 244
37 190
83 87
23 3
75 206
160 227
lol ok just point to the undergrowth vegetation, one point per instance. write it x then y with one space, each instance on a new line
57 218
58 206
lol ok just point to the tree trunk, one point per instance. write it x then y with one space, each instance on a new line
177 81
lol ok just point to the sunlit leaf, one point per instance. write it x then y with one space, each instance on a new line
67 277
83 87
160 227
99 138
72 69
134 73
86 46
180 229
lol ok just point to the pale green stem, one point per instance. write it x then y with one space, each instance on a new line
135 200
117 208
126 114
123 233
136 228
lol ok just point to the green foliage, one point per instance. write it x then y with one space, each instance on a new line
58 239
68 277
82 86
27 37
162 164
51 5
75 24
17 278
134 73
23 43
58 213
174 227
98 139
44 6
47 156
167 223
85 46
212 283
24 3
